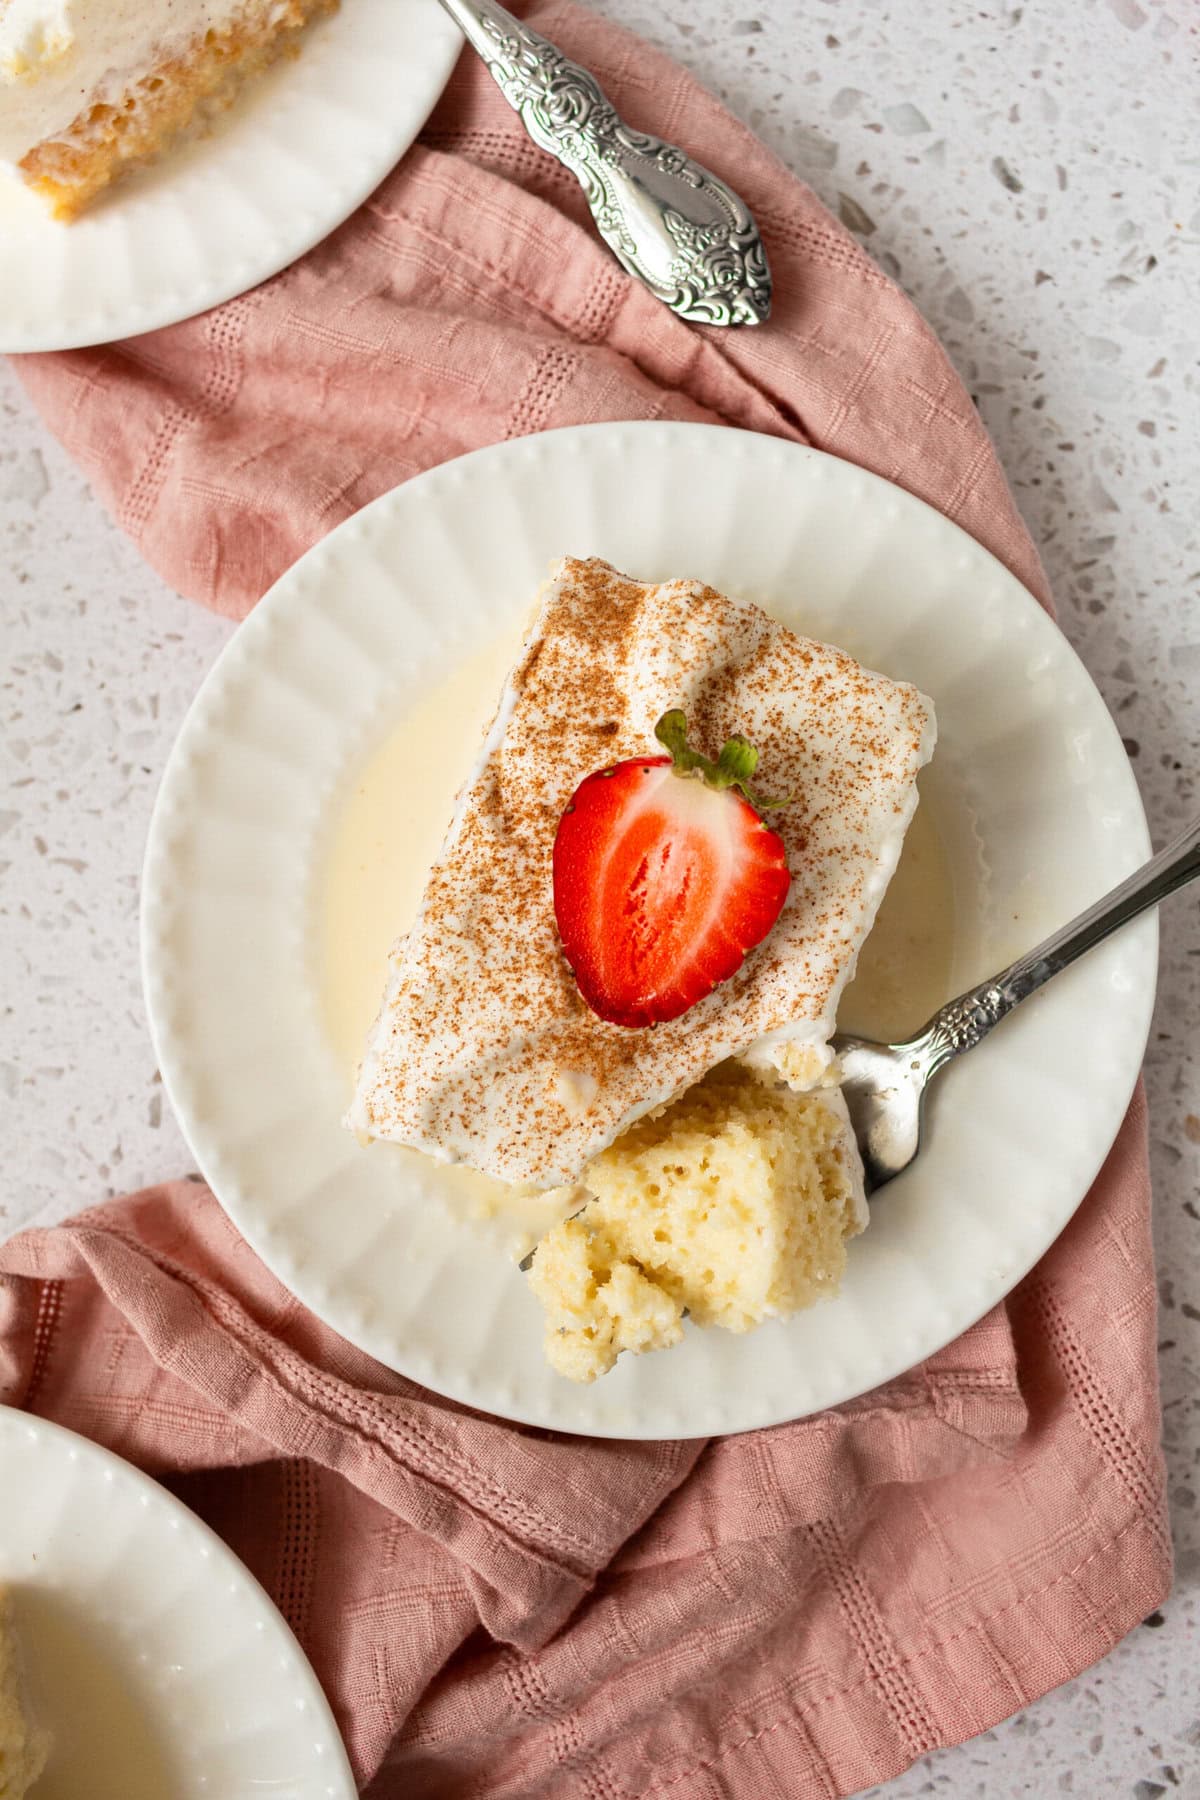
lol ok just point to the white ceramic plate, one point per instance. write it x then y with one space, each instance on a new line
155 1660
1030 789
291 159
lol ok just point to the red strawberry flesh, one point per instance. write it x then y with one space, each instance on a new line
662 884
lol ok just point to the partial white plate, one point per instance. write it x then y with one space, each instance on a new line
1032 795
300 149
155 1659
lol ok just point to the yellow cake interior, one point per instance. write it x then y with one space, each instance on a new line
733 1203
108 139
23 1748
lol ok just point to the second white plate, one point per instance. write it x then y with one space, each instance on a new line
157 1663
1030 790
293 157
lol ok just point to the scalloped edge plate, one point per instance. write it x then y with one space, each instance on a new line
291 159
196 1642
1034 800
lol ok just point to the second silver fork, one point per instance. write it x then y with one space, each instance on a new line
680 229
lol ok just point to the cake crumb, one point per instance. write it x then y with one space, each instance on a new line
733 1204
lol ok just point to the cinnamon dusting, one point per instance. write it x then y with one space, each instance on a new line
483 1018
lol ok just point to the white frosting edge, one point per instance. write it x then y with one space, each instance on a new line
58 57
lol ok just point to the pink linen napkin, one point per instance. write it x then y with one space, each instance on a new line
495 1610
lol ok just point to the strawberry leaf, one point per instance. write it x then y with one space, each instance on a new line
733 768
737 761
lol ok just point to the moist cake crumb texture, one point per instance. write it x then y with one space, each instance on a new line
484 1051
734 1203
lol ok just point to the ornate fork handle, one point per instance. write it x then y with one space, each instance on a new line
961 1024
678 228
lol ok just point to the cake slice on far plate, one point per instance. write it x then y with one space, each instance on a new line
90 89
607 925
23 1747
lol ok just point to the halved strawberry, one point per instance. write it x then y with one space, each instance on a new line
664 877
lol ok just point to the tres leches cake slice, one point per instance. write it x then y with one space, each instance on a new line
711 930
90 89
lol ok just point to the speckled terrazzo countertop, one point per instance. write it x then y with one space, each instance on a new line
1031 175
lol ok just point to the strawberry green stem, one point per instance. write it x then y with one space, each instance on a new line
733 768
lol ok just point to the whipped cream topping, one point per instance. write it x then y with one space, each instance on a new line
484 1051
58 57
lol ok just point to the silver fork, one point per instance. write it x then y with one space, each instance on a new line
885 1084
681 230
